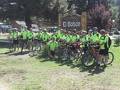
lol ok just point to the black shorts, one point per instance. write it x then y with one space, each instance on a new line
85 48
52 53
72 47
103 52
24 41
15 41
97 47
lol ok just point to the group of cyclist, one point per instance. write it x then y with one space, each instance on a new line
60 38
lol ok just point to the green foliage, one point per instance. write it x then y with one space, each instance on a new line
81 5
24 9
114 12
117 41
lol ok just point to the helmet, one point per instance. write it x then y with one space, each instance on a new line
84 32
90 30
44 30
95 28
102 31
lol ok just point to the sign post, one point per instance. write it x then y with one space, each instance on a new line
84 21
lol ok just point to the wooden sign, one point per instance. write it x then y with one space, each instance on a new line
71 22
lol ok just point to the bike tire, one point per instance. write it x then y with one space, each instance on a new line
110 58
31 54
88 60
77 58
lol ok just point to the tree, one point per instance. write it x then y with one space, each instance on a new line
27 8
81 5
98 11
118 18
99 14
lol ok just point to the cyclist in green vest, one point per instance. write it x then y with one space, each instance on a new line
105 43
45 36
14 38
52 46
95 36
84 40
90 35
29 35
59 34
24 35
30 39
39 36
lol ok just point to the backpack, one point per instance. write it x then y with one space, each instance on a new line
108 44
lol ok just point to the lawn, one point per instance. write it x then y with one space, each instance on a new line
116 51
4 50
24 73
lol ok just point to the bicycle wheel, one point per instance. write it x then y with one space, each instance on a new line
77 58
65 55
31 54
110 58
88 60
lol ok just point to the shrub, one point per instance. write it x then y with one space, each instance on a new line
117 41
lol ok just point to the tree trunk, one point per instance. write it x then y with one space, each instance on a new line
28 20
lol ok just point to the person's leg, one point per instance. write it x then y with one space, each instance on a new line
26 44
18 46
106 56
53 54
32 44
22 45
14 45
100 56
50 54
29 45
85 50
11 45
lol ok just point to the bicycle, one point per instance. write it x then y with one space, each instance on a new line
36 47
78 54
65 51
90 57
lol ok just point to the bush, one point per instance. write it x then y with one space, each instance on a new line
117 41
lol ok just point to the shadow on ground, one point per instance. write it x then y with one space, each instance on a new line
19 53
90 70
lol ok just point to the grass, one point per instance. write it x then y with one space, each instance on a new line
4 50
24 73
116 51
3 36
28 74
